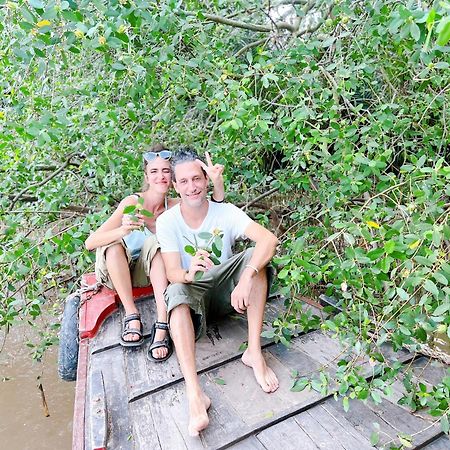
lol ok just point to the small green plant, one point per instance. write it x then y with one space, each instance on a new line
138 208
212 243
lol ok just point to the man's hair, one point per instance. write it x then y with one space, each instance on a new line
183 155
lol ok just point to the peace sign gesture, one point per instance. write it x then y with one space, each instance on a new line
215 174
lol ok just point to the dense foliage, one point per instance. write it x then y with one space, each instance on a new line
331 118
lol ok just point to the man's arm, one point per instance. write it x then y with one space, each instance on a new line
175 272
266 244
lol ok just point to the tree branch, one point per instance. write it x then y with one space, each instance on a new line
251 45
45 180
238 24
257 199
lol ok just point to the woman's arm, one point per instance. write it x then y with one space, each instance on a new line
115 227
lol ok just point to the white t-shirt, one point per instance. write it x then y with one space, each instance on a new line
173 234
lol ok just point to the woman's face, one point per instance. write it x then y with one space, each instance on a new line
158 175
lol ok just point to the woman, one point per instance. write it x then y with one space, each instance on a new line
127 250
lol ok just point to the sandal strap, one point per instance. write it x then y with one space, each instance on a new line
162 326
158 344
130 317
128 331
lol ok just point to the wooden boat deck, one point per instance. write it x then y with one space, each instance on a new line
133 403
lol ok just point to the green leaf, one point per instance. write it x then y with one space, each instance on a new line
346 404
118 66
198 276
205 235
440 278
243 346
389 247
444 33
375 396
431 288
189 250
37 4
220 381
445 424
374 438
215 250
214 260
300 384
441 309
146 213
405 440
129 209
414 31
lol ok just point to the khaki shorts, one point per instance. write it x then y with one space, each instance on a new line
210 297
139 268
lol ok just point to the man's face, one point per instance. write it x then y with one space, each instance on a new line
191 183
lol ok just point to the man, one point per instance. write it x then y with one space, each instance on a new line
239 281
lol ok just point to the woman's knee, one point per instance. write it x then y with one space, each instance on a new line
114 251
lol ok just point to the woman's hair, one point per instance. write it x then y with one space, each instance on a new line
182 155
157 147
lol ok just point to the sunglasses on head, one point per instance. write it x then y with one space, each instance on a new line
163 154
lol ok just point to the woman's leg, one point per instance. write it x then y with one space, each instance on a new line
159 282
119 272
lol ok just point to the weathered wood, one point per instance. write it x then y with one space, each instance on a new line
120 427
250 443
286 435
98 411
441 443
222 343
389 416
331 430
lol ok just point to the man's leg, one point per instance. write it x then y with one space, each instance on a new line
253 356
182 331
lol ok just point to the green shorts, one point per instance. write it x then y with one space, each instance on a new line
139 268
210 297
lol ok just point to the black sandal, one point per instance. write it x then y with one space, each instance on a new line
126 330
166 342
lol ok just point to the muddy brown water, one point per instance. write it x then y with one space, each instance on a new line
23 424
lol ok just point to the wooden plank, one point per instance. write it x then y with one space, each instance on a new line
429 370
391 418
331 430
361 418
250 443
246 397
221 344
111 363
441 443
287 435
320 347
98 416
168 412
79 413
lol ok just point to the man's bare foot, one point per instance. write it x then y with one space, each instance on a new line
198 416
264 375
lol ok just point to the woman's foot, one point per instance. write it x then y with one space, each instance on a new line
264 375
132 330
198 415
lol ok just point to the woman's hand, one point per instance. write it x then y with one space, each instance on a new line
129 225
200 262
